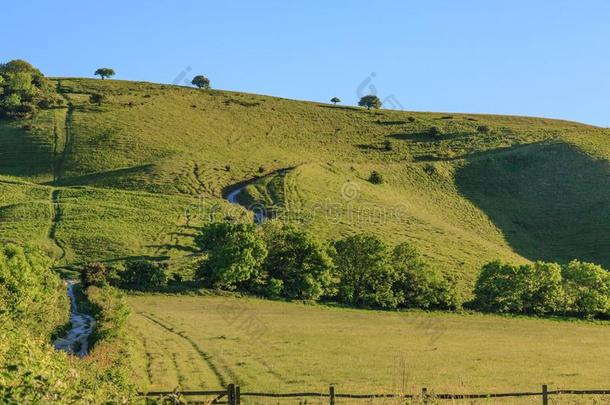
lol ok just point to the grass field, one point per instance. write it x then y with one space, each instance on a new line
114 180
206 342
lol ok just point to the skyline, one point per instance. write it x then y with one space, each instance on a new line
472 57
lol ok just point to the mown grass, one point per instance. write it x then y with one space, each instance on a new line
207 341
483 187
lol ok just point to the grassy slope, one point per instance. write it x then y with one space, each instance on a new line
200 342
463 198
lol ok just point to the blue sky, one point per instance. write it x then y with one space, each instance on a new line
544 58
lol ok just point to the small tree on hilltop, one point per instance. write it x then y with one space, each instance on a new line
335 100
370 101
104 72
201 82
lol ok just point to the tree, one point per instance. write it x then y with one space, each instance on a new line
532 289
104 72
587 288
299 261
335 100
370 101
234 253
201 82
99 275
420 285
364 267
23 90
144 274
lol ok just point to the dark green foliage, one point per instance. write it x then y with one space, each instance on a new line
483 129
435 133
23 89
420 285
96 98
104 72
376 177
544 288
144 274
234 253
387 145
297 266
335 100
99 274
369 102
366 275
201 82
587 289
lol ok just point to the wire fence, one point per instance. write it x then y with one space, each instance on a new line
232 395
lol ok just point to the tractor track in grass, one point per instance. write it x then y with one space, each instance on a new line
55 218
206 357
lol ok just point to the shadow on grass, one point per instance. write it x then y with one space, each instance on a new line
550 200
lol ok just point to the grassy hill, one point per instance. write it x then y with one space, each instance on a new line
134 176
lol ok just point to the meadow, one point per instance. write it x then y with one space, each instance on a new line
122 179
205 342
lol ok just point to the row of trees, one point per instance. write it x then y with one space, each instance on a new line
24 90
279 260
577 288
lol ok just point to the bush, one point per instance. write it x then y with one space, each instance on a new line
144 274
483 129
234 253
419 285
366 275
435 132
97 98
587 289
376 178
297 265
98 274
529 288
23 89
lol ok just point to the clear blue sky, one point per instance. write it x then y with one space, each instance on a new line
538 57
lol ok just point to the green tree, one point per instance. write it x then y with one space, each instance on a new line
532 289
104 72
201 82
370 101
335 100
587 289
144 274
367 277
299 261
420 285
234 253
99 275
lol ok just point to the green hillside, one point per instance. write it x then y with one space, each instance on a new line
134 176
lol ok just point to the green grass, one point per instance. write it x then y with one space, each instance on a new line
207 341
125 170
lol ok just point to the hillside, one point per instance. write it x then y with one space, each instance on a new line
134 176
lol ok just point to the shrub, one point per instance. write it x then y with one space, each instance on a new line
534 289
483 129
411 119
587 289
435 132
144 274
419 284
376 178
97 98
98 274
365 271
234 253
298 266
387 145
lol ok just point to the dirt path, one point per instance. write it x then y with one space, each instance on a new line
55 218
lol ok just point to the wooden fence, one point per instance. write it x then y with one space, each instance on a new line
232 395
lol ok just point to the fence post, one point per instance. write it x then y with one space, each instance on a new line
237 395
331 394
231 394
545 394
